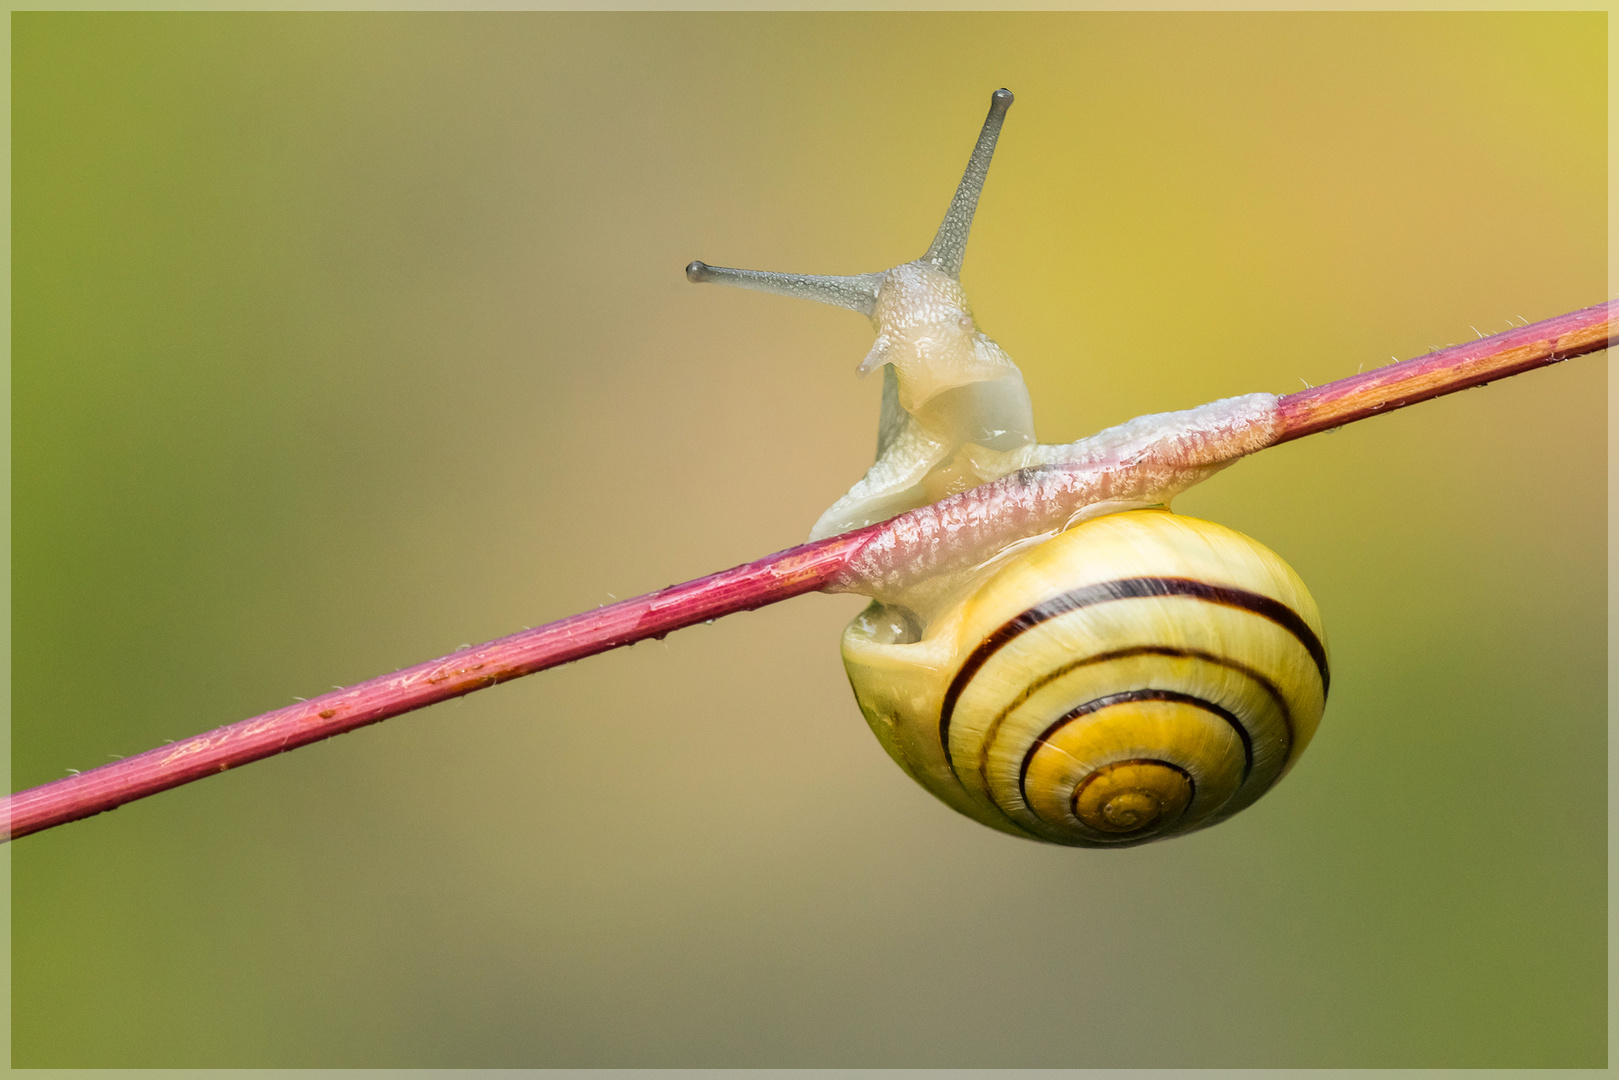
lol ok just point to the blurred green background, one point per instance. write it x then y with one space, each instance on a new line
343 340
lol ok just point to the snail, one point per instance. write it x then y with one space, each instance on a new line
1049 650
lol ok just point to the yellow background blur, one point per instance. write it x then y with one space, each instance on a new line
341 341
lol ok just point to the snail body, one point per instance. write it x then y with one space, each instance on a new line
1049 650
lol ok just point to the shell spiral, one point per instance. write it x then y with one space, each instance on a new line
1138 676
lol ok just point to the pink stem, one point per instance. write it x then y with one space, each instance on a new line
1458 367
777 577
789 573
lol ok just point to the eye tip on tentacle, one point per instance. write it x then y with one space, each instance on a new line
697 271
1001 98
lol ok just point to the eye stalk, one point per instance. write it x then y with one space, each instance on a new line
955 411
949 246
858 293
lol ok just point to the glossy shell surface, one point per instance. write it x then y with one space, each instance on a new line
1138 676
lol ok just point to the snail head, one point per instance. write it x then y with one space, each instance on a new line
925 327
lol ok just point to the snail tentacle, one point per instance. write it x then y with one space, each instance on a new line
949 247
856 293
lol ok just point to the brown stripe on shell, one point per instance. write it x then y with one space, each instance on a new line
1126 589
1097 704
1270 688
1079 789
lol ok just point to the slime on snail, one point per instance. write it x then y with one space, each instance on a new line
1048 649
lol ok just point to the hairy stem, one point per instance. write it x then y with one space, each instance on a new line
1459 367
807 568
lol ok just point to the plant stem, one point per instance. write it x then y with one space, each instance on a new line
777 577
1458 367
789 573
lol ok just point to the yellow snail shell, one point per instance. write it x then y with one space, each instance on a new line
1138 676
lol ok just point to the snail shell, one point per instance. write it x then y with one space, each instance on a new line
1138 676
